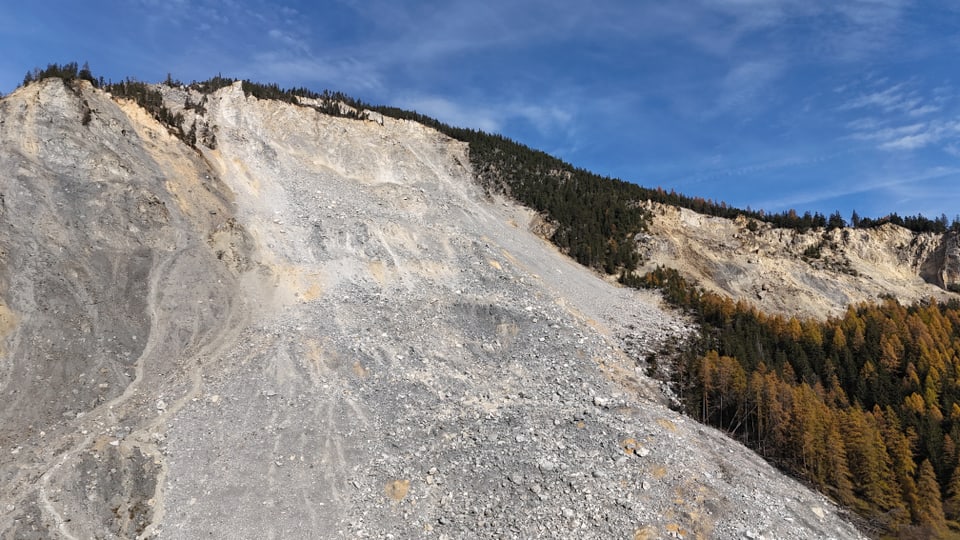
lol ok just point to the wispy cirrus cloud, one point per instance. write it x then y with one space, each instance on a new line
901 116
348 72
400 39
752 170
743 78
290 40
457 114
746 84
898 187
930 133
544 117
899 98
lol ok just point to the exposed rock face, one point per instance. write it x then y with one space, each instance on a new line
816 274
322 328
944 267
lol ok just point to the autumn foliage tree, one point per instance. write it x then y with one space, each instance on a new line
865 406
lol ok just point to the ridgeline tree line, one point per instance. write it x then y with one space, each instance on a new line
866 406
595 217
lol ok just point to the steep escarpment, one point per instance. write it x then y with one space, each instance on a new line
321 327
814 273
106 266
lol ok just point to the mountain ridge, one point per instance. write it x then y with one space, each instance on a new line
817 273
325 325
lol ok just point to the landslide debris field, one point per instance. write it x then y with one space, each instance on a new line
322 328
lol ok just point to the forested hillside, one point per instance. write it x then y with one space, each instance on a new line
864 406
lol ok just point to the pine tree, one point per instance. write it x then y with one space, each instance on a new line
901 456
838 475
951 506
836 221
929 511
871 465
86 74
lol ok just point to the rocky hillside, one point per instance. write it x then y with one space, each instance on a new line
815 273
321 327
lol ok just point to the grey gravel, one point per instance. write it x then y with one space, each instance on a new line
348 339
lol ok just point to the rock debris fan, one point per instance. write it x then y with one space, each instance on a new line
323 327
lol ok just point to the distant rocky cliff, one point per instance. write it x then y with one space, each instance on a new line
942 268
316 327
815 273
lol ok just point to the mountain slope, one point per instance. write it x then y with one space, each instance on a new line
321 328
816 273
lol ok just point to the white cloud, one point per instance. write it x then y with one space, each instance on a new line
899 98
795 160
923 110
872 131
347 73
892 184
910 142
900 117
544 118
746 84
845 31
930 133
908 136
490 118
290 40
455 114
864 125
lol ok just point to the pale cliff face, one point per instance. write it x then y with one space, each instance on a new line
323 328
773 269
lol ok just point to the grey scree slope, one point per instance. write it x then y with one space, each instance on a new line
322 328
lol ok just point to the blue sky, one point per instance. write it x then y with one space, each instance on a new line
772 104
